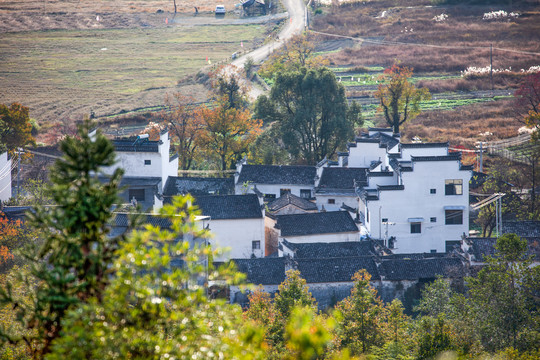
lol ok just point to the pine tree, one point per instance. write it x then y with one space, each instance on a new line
73 264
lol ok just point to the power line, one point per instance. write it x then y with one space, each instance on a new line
395 43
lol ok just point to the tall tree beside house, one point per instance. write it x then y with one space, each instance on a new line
399 99
227 133
73 266
15 127
311 109
527 101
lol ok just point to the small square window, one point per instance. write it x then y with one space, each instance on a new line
284 191
432 191
331 201
416 228
147 162
384 220
433 251
433 219
256 245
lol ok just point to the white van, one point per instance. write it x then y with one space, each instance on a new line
220 10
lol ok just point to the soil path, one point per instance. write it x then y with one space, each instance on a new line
295 25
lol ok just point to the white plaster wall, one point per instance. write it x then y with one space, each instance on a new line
5 177
351 201
239 189
364 153
238 234
133 164
373 181
431 151
323 238
417 202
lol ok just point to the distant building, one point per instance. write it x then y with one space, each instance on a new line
5 177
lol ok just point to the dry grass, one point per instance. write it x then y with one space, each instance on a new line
66 74
464 27
464 125
31 15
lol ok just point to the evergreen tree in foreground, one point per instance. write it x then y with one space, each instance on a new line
73 264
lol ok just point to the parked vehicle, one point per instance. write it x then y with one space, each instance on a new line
220 10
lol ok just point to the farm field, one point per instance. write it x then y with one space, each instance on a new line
67 74
462 109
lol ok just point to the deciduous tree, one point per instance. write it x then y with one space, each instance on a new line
399 99
311 109
228 132
185 125
15 127
361 316
502 298
296 53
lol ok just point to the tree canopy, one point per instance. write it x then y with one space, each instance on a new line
15 127
399 99
311 109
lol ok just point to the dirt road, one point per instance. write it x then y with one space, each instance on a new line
295 25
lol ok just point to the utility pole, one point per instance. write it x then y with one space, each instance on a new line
491 64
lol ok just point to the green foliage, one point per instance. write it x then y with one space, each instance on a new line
311 109
399 99
154 309
268 149
73 265
505 300
360 317
354 114
15 127
292 292
34 192
435 339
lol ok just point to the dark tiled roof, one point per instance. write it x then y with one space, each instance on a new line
380 173
316 223
292 199
134 145
401 269
416 256
342 178
330 250
387 140
390 187
483 247
122 220
140 181
424 145
390 130
263 271
220 207
451 157
335 269
280 174
526 228
198 186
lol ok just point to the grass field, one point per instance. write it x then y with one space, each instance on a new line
65 74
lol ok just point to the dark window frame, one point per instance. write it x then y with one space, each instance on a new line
432 191
147 162
332 201
453 187
256 245
432 219
451 217
416 228
136 193
284 191
305 193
